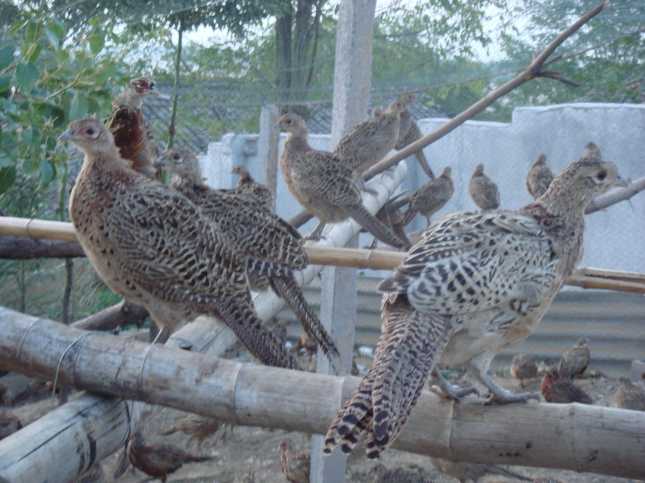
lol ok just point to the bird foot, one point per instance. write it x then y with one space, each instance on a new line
502 396
454 392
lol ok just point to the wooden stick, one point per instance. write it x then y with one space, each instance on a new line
22 248
569 436
616 196
113 317
319 254
611 274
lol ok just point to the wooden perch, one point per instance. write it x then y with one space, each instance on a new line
22 248
616 196
572 436
113 317
534 70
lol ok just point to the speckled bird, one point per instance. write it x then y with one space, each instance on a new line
409 132
523 367
246 185
539 177
574 361
629 395
433 195
483 190
474 284
559 388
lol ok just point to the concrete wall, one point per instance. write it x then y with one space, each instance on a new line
614 238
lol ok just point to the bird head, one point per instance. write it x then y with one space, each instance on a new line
446 173
479 170
90 135
143 86
582 342
292 123
540 161
180 162
242 172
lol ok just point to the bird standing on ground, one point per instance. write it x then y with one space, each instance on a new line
559 388
539 177
483 190
474 284
324 185
295 466
629 395
269 247
465 472
369 141
575 361
409 132
433 195
128 126
248 186
153 246
197 427
158 460
524 366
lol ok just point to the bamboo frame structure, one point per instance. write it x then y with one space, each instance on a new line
572 436
325 253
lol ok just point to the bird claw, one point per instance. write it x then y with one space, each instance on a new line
453 392
508 397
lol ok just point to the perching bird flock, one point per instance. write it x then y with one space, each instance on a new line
472 285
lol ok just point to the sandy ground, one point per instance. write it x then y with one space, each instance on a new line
247 455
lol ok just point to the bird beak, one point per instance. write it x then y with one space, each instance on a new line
622 182
65 136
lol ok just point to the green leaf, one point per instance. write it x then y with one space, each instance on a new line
33 53
5 84
78 107
6 56
5 161
26 75
97 41
7 178
55 32
47 172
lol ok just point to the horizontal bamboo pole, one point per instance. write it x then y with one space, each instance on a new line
329 252
577 437
23 248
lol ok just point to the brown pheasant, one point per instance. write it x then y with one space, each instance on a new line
539 177
153 246
248 186
433 195
269 247
465 472
629 395
523 367
295 466
574 361
158 460
197 427
474 284
559 388
409 132
128 127
324 185
483 190
370 141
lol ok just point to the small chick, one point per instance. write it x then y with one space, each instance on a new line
433 195
539 177
473 471
575 361
159 460
248 186
9 424
483 190
295 466
197 427
558 388
629 395
524 366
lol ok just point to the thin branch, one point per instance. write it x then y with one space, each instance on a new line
616 196
113 317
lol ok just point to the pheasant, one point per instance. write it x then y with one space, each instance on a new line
261 241
324 185
9 424
629 395
474 284
153 246
197 427
575 361
483 190
524 366
539 177
158 460
559 388
393 215
465 472
295 466
248 186
433 195
128 126
370 141
409 132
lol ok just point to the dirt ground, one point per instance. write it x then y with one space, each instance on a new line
248 455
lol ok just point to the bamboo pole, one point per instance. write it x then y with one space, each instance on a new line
328 252
570 436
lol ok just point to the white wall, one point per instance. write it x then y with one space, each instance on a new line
614 238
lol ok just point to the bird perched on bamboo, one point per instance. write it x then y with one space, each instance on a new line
151 245
474 284
369 141
465 472
557 387
9 424
128 126
574 361
483 190
523 367
409 132
269 247
433 195
324 185
629 395
158 460
539 177
393 214
295 466
197 427
248 186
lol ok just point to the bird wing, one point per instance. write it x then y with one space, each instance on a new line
470 262
329 177
358 138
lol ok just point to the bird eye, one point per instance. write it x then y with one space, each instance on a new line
602 175
90 131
